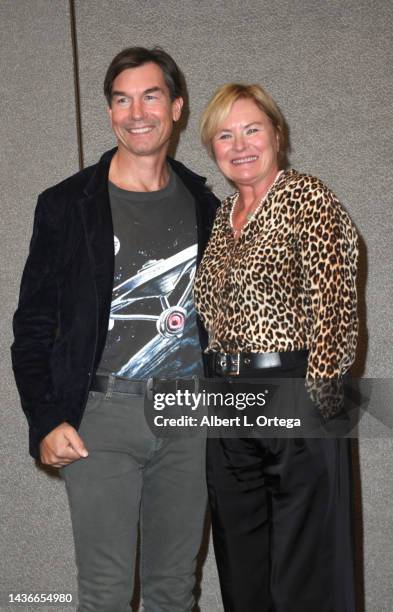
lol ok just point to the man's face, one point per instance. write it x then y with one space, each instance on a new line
141 112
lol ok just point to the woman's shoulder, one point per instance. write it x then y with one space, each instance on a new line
314 202
302 182
309 193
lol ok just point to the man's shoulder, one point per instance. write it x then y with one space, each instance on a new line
75 184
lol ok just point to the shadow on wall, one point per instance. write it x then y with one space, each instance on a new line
358 367
357 371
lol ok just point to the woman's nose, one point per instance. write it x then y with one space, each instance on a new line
238 142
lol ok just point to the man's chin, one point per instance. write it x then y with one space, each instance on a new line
142 150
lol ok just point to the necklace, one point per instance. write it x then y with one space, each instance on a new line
250 215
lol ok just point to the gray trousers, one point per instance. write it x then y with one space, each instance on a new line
132 478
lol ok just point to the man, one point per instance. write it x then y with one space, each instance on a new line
105 305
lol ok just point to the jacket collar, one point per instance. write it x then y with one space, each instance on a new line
99 179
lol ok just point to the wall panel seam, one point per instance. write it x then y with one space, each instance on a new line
75 57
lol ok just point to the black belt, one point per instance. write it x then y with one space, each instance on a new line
103 384
233 364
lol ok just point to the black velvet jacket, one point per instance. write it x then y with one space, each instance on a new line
61 322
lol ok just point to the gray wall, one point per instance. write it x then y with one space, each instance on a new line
328 64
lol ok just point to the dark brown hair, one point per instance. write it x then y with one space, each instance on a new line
132 57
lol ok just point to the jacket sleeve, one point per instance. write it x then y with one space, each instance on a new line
35 325
328 249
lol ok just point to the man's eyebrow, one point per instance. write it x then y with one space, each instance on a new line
147 91
119 93
153 89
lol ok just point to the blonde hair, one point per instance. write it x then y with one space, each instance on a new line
219 107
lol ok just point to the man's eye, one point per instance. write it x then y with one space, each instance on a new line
122 101
150 97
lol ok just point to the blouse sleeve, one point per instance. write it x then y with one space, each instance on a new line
327 241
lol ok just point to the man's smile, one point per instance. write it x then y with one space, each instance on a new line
139 130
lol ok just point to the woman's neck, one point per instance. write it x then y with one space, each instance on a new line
249 194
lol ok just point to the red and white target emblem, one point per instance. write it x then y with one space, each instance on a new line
171 322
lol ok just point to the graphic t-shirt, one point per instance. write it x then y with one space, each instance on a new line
152 326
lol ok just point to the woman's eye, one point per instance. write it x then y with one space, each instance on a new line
252 130
224 136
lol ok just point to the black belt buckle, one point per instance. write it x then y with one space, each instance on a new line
229 363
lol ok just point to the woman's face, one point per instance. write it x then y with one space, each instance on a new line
246 145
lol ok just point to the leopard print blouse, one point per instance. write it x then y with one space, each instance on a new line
288 283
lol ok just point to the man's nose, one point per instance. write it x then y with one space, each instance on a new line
136 110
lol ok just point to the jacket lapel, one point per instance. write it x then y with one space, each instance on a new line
97 220
98 227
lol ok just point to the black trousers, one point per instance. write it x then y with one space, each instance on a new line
281 519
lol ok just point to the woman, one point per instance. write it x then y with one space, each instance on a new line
276 292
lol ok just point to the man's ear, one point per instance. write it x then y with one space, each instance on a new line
109 111
177 106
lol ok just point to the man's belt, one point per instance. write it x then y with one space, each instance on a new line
233 364
105 384
111 383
